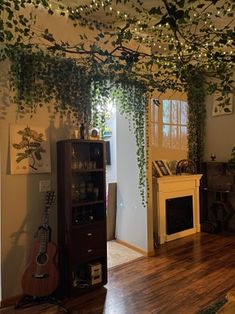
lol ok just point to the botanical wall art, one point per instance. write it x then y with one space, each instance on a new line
222 104
29 150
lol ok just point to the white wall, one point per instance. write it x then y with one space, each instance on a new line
22 204
111 170
0 227
131 215
219 134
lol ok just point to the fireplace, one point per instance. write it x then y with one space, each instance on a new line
177 212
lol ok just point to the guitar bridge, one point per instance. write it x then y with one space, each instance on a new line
40 276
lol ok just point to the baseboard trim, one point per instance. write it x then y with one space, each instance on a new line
10 301
135 248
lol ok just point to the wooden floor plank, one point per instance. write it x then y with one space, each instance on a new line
185 276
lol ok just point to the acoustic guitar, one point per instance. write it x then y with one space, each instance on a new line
41 277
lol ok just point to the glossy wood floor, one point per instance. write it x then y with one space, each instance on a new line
184 277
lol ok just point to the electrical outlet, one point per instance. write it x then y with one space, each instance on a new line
44 185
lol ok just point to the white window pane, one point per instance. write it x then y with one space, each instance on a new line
166 111
184 138
184 112
172 130
155 134
175 139
174 112
166 136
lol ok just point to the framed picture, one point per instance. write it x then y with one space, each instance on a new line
222 105
162 168
29 150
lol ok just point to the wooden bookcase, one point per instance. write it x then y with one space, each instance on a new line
217 197
82 246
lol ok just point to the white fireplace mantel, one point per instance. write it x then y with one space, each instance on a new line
168 187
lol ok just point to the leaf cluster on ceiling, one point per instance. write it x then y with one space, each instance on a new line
179 35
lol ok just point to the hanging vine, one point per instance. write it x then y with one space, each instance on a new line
38 79
140 48
196 116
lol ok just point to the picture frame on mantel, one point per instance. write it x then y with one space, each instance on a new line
162 168
222 105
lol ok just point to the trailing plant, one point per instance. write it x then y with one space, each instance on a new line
231 161
176 33
196 115
39 78
166 46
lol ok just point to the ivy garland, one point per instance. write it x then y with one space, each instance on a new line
39 79
196 116
192 43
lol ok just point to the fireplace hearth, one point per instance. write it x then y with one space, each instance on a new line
177 206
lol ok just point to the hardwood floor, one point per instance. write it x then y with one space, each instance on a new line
184 277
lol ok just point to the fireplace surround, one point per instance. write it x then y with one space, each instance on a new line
172 192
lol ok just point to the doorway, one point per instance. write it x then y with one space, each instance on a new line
124 207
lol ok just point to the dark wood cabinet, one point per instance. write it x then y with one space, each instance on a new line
82 246
217 197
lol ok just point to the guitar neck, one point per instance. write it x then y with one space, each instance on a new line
45 229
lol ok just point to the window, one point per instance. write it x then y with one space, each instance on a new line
169 124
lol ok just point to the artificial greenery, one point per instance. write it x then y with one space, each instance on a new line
182 45
176 33
39 79
231 161
196 116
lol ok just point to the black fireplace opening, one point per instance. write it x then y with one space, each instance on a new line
179 214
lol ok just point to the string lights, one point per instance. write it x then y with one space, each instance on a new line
152 33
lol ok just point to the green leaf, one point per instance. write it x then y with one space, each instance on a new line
155 10
8 35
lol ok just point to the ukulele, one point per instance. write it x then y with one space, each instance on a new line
41 277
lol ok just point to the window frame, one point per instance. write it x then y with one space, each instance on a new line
157 123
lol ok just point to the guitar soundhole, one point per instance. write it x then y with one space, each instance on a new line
42 258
